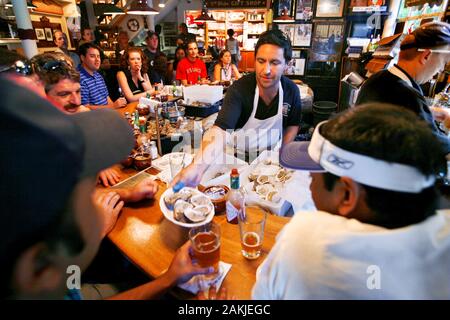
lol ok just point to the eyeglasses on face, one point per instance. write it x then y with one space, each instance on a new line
22 67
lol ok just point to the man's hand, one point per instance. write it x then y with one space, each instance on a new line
120 103
214 295
146 189
108 206
441 115
109 177
182 268
190 176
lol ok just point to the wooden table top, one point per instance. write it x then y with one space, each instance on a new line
150 241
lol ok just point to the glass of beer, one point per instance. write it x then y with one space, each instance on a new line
206 247
251 227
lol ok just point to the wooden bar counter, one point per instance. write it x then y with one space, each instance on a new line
150 241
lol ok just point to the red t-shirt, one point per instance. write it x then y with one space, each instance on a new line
187 70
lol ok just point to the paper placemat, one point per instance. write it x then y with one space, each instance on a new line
198 283
133 180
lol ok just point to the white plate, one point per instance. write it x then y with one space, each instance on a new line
163 163
219 172
169 213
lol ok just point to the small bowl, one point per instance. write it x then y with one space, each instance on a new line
142 161
143 109
128 161
218 195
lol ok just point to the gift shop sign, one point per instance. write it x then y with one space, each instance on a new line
227 4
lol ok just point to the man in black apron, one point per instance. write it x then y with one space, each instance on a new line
258 110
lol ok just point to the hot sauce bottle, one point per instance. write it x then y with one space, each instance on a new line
235 204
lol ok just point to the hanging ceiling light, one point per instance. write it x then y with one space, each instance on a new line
204 17
101 9
140 7
285 17
161 4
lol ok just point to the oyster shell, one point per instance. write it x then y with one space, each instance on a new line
200 200
273 196
179 208
197 214
283 175
185 194
170 200
263 189
262 179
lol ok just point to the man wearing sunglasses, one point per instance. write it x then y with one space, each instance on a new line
61 82
422 54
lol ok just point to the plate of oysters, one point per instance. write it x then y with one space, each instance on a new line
187 208
267 179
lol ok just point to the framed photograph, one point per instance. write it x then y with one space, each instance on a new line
289 30
48 34
40 34
302 35
284 6
296 54
329 8
296 67
327 41
304 10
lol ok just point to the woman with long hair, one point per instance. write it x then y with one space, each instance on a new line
224 70
133 78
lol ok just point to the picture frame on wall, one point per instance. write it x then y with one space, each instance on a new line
288 29
329 8
296 54
304 10
296 67
302 35
284 5
40 33
299 34
48 34
327 41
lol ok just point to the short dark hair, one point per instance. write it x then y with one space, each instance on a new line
51 69
230 32
151 34
86 46
191 41
371 130
277 38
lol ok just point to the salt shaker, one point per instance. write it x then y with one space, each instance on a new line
153 150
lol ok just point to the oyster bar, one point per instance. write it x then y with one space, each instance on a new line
203 149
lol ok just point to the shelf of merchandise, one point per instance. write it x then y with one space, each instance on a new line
245 29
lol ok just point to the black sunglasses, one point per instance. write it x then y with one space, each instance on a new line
22 67
52 65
